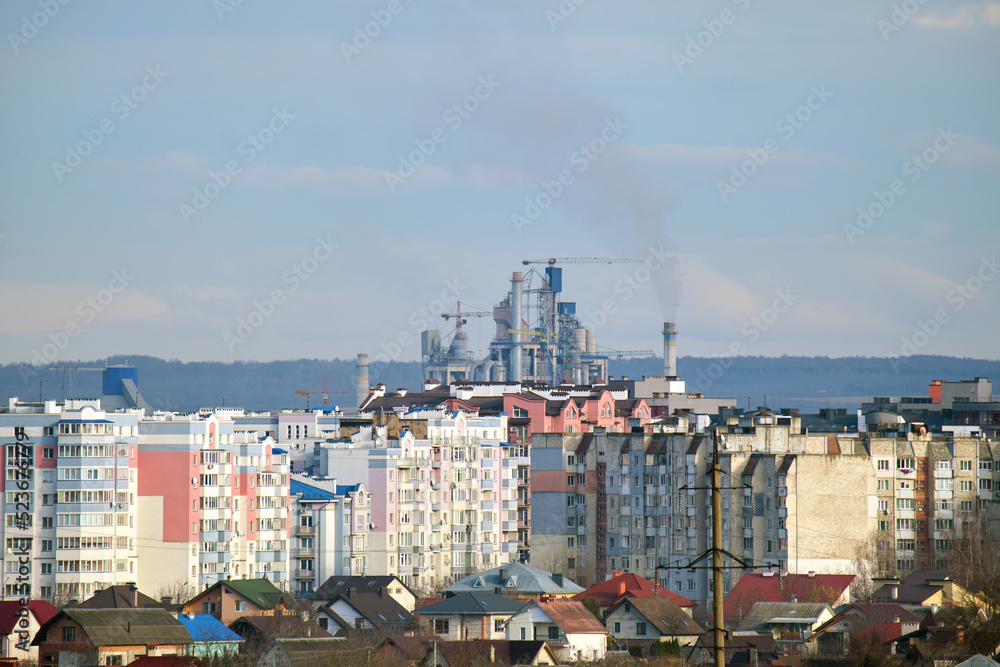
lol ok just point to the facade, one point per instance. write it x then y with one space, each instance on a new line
478 615
570 630
18 628
644 620
231 599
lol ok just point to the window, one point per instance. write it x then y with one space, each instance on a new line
441 626
48 452
618 627
241 605
882 464
553 632
69 634
640 628
965 464
115 659
208 607
571 460
883 485
904 463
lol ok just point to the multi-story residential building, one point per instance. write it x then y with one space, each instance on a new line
70 498
213 503
295 431
442 506
330 532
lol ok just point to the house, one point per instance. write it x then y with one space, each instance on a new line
517 581
108 636
790 623
644 620
230 599
126 596
570 629
884 622
924 588
259 631
210 636
607 593
352 610
741 648
18 628
476 615
393 651
166 661
302 652
488 652
833 589
397 590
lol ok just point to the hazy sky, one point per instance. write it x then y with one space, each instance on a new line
170 169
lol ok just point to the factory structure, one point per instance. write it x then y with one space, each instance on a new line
538 337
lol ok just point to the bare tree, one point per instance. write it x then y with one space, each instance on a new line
873 558
975 563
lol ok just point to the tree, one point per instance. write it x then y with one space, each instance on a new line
975 563
873 558
594 606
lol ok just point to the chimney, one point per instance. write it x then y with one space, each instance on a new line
352 592
894 592
621 588
362 389
795 598
503 575
670 349
380 590
515 323
134 590
557 579
166 601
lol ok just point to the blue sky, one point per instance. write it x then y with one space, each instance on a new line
740 136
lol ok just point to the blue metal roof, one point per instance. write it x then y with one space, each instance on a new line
207 628
278 450
344 489
309 492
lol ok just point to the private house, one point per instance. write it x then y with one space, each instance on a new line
391 584
38 613
832 589
230 599
886 622
789 623
484 652
209 636
643 620
567 626
393 651
126 596
478 615
305 652
517 581
109 636
609 592
352 610
924 588
259 631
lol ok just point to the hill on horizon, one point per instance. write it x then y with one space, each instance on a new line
807 383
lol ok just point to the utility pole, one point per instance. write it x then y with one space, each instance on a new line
720 642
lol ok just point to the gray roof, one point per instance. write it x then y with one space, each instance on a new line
312 651
125 627
478 603
978 660
517 579
763 614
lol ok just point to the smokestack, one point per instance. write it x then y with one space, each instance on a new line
670 349
362 378
515 321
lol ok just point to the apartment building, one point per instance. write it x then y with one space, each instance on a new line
70 498
442 506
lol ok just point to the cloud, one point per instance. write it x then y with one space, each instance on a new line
972 153
965 16
33 308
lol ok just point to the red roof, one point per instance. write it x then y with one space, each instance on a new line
622 583
10 610
165 661
572 617
772 587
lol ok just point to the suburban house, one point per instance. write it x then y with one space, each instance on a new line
885 621
644 620
833 589
37 613
209 636
477 615
741 648
230 599
391 584
924 588
304 652
567 626
352 610
393 651
259 631
607 593
488 652
125 596
789 623
109 636
517 581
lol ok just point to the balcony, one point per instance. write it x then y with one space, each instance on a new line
692 531
782 512
305 530
301 573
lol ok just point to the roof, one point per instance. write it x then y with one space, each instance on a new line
207 628
260 592
308 651
978 660
10 613
335 585
165 661
502 651
309 492
379 610
870 613
664 614
767 587
763 614
476 603
272 626
119 597
571 616
517 579
122 627
612 590
414 648
915 588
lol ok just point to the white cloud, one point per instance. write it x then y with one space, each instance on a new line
41 307
965 16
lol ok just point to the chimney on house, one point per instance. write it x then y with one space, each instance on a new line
558 580
380 590
621 588
352 592
795 598
134 590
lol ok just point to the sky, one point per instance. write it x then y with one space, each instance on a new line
249 180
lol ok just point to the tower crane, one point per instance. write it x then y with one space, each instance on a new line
326 392
459 315
552 261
